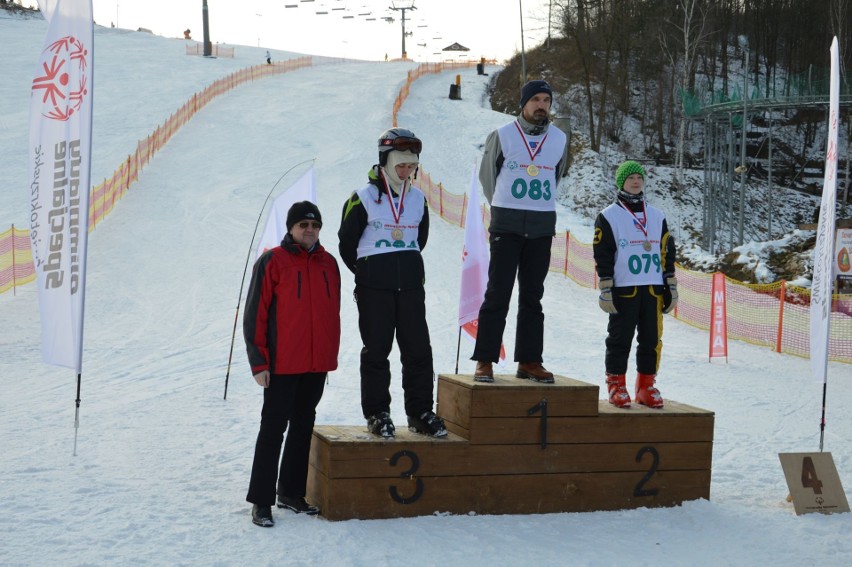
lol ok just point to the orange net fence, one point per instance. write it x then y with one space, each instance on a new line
16 259
216 50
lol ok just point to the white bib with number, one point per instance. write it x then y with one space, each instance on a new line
527 182
637 257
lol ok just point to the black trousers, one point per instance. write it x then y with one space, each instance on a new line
639 309
381 314
529 259
290 399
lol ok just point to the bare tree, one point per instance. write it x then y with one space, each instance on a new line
690 22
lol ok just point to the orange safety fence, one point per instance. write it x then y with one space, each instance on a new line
16 262
424 69
216 50
16 259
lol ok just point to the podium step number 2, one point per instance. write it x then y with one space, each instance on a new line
814 483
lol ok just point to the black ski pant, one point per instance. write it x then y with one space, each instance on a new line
529 259
381 314
639 309
290 399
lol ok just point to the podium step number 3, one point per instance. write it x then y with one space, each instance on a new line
814 483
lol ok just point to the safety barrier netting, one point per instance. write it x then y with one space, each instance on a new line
16 259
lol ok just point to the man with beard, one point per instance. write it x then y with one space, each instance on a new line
523 162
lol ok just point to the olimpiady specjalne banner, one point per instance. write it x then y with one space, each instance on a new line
59 171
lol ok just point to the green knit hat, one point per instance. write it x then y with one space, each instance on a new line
625 170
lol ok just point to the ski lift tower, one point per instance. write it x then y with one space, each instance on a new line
402 9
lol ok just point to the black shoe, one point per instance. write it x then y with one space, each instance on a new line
298 505
428 423
262 516
380 424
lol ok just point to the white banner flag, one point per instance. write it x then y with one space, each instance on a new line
59 170
303 189
824 248
475 257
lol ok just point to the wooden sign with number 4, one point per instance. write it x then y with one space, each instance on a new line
813 482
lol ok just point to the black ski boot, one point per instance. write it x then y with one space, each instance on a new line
380 424
428 423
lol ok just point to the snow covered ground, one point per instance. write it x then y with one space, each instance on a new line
163 461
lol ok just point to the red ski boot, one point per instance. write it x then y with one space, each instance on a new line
646 393
616 385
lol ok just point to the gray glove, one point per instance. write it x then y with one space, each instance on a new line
670 294
605 298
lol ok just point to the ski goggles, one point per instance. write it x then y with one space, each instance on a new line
402 144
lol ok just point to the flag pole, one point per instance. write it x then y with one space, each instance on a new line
245 270
821 286
77 411
458 351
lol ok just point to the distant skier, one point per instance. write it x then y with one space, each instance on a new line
268 58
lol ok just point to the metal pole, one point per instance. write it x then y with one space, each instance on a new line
769 203
404 55
208 51
743 153
403 9
523 55
729 183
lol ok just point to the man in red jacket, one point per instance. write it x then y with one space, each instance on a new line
292 331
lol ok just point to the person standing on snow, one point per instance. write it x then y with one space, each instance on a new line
635 257
268 58
292 331
383 231
523 163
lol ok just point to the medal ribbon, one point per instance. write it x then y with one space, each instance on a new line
396 211
641 223
527 144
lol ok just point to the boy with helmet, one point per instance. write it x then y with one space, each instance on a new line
635 257
523 163
384 228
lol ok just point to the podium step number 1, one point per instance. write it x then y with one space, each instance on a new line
814 483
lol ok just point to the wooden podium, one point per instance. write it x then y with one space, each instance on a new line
516 447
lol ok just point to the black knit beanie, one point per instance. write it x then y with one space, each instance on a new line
533 88
301 211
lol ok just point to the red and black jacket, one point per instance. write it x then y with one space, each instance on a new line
291 323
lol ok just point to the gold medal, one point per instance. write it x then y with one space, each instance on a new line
647 245
397 234
532 170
